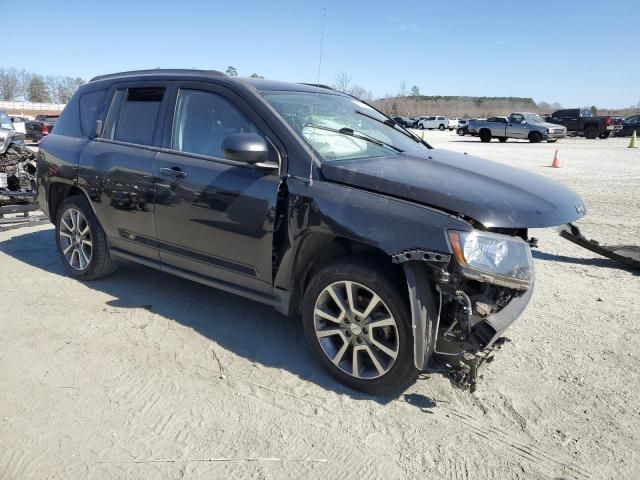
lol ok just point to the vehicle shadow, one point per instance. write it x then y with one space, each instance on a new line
249 329
592 262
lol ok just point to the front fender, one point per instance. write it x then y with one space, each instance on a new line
381 221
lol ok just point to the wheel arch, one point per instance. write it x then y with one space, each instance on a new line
318 249
58 193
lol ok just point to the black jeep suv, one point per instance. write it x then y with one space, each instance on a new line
399 257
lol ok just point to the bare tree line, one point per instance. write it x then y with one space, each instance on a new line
409 102
344 83
17 85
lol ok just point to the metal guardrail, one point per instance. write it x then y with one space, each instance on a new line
32 107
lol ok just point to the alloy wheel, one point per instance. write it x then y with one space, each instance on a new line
75 239
356 330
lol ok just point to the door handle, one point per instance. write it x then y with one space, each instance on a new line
174 172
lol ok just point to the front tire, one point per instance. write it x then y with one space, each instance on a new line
535 137
82 244
502 139
604 135
357 322
420 126
441 128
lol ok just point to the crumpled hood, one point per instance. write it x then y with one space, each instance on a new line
494 194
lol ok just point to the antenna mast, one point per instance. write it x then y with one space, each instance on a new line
324 14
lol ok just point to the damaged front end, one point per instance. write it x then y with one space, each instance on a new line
17 170
463 303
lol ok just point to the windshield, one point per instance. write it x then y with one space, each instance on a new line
5 121
533 118
340 128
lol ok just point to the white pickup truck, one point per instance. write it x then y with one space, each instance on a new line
525 126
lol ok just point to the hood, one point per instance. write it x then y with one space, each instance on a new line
549 125
494 194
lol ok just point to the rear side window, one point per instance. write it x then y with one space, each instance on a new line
90 104
138 116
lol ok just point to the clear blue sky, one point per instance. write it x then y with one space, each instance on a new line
573 52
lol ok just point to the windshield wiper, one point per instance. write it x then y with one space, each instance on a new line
390 123
350 132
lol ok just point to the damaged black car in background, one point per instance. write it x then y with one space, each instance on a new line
399 257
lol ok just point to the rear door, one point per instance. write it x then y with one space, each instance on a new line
117 168
214 217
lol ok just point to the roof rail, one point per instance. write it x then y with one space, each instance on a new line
162 71
318 85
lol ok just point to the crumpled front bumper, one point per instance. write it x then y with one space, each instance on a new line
431 351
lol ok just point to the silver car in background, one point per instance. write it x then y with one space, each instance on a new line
524 126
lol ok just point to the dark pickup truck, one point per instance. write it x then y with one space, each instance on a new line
398 256
582 121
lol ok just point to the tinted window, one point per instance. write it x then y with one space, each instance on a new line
203 121
440 118
90 104
138 116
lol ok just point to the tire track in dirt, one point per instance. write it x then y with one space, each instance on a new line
524 450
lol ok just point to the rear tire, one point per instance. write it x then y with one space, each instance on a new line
81 241
591 132
441 128
485 136
382 354
535 137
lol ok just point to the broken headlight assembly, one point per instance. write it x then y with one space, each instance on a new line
493 258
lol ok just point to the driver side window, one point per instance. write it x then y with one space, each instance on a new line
203 120
517 118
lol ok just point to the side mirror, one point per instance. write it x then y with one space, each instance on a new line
246 147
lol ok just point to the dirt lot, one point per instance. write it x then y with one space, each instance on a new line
143 375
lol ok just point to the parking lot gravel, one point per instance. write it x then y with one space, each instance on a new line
144 375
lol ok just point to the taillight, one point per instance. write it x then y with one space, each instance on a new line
607 121
45 130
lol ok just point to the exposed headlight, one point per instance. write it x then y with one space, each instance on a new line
490 257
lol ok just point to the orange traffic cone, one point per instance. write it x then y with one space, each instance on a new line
556 161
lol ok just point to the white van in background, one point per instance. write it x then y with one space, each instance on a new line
430 123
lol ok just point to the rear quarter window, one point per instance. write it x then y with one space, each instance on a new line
69 122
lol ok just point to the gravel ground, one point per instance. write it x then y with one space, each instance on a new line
143 375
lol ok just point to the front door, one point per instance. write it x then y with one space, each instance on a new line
214 216
516 128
